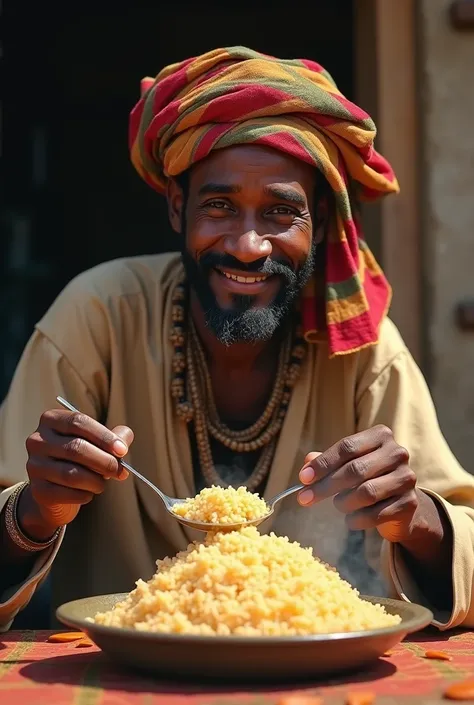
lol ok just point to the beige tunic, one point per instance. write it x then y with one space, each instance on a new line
104 346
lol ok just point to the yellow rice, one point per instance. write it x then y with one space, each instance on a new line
247 584
218 505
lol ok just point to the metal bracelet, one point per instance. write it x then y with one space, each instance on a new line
13 528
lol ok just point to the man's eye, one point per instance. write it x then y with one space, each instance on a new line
217 204
283 210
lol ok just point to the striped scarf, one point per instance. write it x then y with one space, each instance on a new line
235 96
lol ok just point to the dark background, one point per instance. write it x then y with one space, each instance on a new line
70 77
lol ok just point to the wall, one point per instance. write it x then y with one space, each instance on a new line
386 86
447 120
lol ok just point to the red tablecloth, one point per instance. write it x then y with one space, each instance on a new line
36 672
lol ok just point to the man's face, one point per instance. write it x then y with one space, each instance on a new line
248 247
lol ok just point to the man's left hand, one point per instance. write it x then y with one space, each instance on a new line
370 478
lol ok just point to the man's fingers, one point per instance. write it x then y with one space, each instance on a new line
47 494
125 434
311 456
74 449
79 439
376 490
344 451
354 473
75 424
65 474
399 509
307 473
360 471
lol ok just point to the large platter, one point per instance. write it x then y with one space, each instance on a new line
261 658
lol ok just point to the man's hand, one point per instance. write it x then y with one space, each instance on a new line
70 458
373 485
371 481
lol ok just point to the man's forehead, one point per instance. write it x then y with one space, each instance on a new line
231 168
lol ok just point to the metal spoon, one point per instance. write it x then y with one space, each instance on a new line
170 502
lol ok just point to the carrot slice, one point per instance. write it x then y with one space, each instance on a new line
360 698
438 655
387 654
65 637
300 700
462 690
84 643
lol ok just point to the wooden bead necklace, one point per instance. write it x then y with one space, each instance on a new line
191 389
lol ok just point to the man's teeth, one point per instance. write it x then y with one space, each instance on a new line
244 280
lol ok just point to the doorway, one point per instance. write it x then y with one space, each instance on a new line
72 198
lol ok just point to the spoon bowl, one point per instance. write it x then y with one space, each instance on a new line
202 526
171 502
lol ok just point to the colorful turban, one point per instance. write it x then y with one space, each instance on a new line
238 96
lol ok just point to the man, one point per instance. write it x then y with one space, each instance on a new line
261 355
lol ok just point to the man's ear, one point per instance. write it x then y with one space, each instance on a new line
175 198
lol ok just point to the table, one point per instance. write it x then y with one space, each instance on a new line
36 672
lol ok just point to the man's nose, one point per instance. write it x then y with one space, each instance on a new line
248 247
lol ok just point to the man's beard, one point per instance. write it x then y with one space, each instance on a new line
245 322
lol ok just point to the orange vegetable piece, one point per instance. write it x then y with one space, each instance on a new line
300 700
360 698
462 690
438 655
66 637
388 653
84 643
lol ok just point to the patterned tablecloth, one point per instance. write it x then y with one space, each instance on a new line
36 672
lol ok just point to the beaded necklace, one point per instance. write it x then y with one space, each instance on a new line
191 389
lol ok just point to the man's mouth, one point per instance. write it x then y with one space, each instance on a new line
243 278
243 282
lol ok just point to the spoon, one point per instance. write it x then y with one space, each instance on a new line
170 502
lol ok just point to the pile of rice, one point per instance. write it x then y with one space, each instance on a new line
219 505
247 584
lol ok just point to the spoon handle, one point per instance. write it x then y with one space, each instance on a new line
126 465
291 490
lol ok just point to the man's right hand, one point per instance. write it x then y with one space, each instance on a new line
70 458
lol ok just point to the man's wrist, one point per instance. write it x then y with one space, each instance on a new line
429 553
430 540
30 519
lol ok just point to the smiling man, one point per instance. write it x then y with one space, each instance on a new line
245 286
259 354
